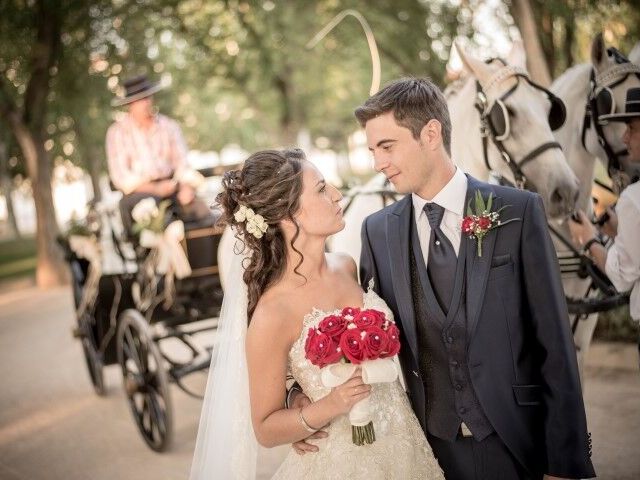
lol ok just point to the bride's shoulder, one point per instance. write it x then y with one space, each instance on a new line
343 263
272 320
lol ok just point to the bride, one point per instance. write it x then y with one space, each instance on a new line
283 282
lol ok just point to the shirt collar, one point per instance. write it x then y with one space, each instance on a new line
451 197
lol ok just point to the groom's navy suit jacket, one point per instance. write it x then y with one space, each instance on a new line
521 356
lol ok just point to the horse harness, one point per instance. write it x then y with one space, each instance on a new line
495 123
601 103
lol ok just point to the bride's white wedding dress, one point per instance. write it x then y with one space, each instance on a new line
400 451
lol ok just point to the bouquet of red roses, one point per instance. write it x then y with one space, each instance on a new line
355 337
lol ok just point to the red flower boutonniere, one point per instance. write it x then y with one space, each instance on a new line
477 224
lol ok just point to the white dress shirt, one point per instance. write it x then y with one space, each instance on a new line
623 258
451 198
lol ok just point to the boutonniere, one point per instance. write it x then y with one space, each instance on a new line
477 224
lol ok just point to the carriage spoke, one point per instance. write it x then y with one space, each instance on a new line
130 361
131 349
156 423
145 381
146 415
158 415
143 354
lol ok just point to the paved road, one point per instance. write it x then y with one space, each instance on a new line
52 425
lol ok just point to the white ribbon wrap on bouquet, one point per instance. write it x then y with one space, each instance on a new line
171 256
382 370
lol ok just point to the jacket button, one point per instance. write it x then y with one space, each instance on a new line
449 339
454 364
462 410
458 387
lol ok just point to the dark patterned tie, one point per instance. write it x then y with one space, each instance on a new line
442 261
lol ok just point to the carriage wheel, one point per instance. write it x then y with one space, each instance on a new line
91 356
145 380
85 333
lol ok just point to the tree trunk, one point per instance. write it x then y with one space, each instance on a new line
536 63
288 124
27 125
6 188
569 38
51 269
92 161
546 29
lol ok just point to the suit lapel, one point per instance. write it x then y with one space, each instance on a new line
477 268
398 227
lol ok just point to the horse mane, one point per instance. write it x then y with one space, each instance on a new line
573 88
461 80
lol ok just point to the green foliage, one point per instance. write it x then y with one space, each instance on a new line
17 258
239 70
567 27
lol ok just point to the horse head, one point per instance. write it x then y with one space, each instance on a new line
503 124
611 76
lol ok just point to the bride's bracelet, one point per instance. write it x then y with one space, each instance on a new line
304 423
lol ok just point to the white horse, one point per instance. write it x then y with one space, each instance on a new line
634 54
516 116
579 140
548 171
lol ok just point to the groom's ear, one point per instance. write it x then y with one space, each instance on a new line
431 134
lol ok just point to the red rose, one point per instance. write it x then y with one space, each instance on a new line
351 311
310 335
375 342
484 222
333 325
321 349
468 225
393 347
369 318
352 345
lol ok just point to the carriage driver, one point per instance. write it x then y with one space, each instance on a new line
621 262
146 156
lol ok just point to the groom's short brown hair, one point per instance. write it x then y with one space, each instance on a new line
413 101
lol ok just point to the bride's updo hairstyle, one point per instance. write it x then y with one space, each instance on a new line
270 184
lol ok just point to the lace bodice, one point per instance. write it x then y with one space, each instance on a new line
400 451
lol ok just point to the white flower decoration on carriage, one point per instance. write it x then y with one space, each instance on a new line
255 223
144 211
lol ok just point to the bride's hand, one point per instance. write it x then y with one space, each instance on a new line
350 392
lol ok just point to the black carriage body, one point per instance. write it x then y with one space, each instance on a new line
197 297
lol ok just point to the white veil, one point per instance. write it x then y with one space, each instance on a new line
226 447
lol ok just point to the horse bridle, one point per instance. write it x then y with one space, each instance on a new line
489 117
601 102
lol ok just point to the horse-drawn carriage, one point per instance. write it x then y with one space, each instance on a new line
132 296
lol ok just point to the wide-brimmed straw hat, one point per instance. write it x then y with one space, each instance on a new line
135 89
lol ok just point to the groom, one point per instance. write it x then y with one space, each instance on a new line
488 357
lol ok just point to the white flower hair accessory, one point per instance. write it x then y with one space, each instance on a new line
255 223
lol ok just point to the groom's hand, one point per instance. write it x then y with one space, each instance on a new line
300 400
303 447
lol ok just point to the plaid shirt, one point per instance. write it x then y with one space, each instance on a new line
136 156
